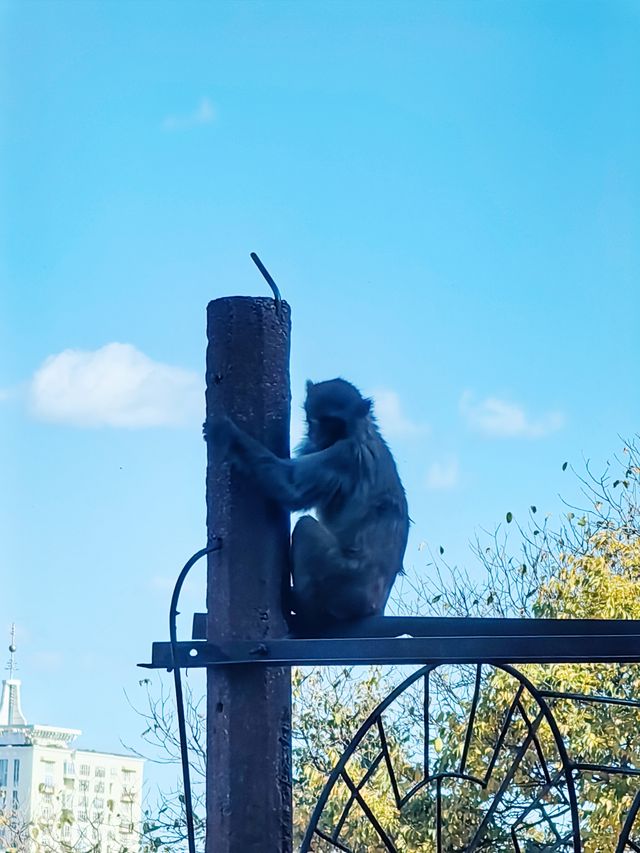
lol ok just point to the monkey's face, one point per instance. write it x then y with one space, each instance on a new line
332 410
325 430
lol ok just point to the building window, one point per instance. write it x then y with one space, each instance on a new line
100 772
84 785
69 768
4 767
14 800
66 831
16 773
47 769
99 788
85 770
83 809
47 806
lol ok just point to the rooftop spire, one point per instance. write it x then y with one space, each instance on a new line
12 666
10 711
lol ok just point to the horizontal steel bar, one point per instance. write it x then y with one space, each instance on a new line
606 768
457 626
585 697
551 648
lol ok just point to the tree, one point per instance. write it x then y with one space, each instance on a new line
57 832
588 568
164 826
14 831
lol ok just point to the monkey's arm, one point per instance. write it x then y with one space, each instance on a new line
295 483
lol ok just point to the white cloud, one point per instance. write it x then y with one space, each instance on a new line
500 418
204 113
391 417
443 475
116 386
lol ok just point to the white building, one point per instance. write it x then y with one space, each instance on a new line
55 798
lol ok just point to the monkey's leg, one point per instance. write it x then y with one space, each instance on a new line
315 554
327 586
315 557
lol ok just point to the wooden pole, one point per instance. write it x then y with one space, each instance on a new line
248 708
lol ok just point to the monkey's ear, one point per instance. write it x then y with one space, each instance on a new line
364 407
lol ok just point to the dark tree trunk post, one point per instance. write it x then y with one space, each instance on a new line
248 708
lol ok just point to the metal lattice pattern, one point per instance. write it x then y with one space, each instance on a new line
505 780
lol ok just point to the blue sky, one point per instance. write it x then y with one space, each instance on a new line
447 194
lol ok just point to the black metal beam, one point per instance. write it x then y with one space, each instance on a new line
591 641
455 626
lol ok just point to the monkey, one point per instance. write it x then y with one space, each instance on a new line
344 561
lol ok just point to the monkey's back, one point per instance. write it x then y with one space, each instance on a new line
368 513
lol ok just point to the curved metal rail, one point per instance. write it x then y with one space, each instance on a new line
177 680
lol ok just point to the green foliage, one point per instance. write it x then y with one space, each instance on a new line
329 706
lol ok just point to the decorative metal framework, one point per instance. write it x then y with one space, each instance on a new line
513 778
520 786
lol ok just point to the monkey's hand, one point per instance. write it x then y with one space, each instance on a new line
221 432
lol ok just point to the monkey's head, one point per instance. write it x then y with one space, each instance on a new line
334 410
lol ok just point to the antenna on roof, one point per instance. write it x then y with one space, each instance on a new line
12 666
